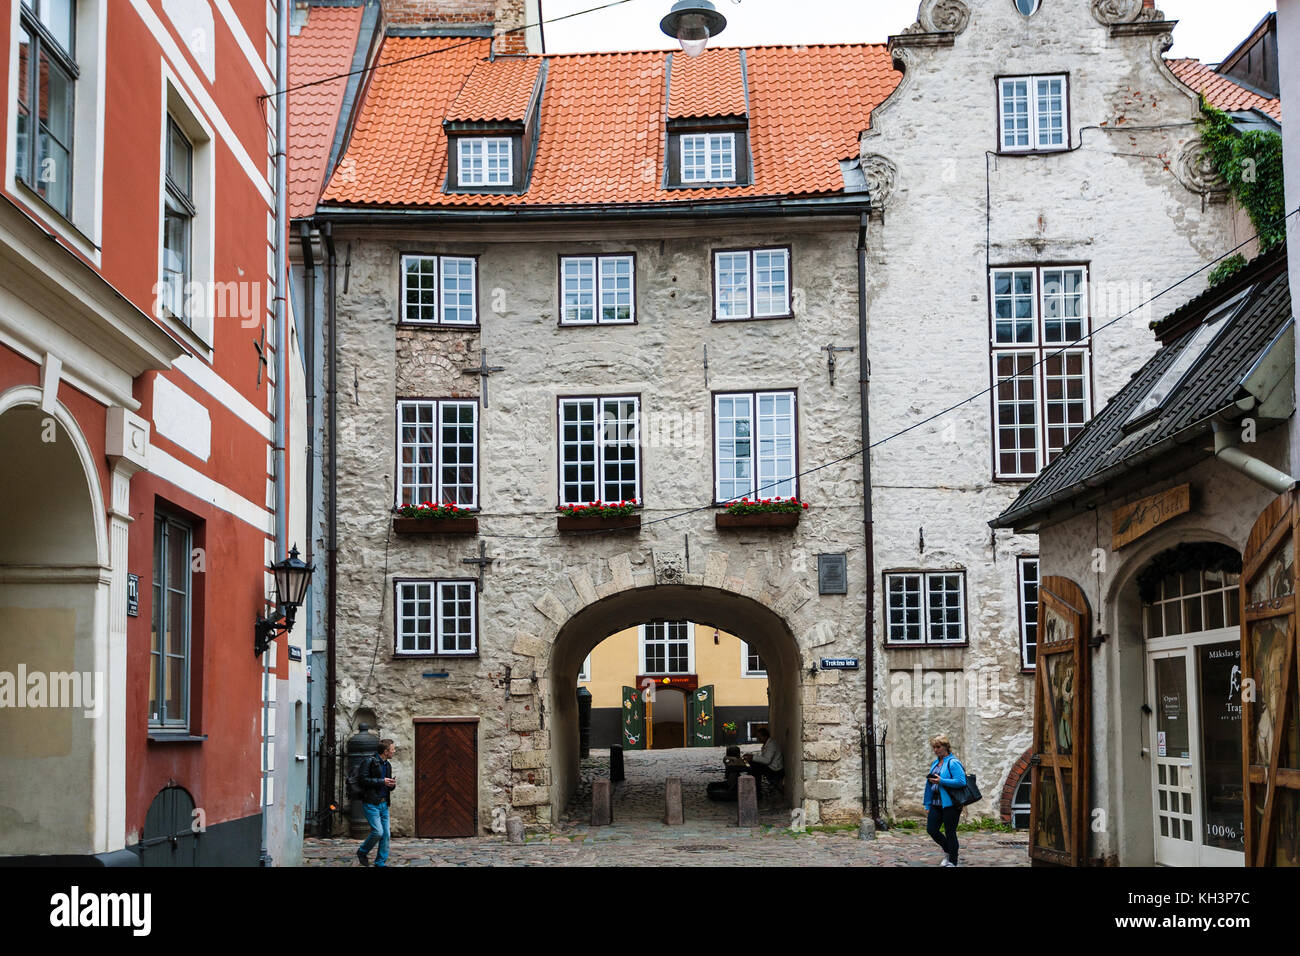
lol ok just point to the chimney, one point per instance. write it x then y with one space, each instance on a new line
507 17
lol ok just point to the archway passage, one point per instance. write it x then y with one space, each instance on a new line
51 606
765 632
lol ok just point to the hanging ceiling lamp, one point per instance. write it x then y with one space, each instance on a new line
692 22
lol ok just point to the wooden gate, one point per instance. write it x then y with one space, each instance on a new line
446 776
633 719
700 720
169 837
1062 727
1270 695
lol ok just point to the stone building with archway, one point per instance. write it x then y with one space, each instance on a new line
638 276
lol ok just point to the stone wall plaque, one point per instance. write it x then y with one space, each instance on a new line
832 574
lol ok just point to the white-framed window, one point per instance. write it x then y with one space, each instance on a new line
751 662
178 221
1193 601
485 161
584 675
667 647
751 729
169 656
754 445
437 452
1027 566
1020 802
440 290
436 617
597 290
925 607
708 157
1041 364
751 283
600 450
1033 113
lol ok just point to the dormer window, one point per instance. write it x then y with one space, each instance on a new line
485 161
708 157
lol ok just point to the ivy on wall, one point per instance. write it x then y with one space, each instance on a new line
1250 163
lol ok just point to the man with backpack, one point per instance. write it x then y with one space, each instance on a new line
374 779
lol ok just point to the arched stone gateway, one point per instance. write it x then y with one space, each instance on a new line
815 714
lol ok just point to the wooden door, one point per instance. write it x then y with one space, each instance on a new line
699 721
446 777
1176 807
1270 695
633 719
1062 728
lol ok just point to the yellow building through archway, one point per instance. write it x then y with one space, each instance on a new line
681 658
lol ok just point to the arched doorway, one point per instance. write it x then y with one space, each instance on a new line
170 837
1190 601
765 631
53 632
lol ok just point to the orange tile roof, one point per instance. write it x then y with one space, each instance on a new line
601 135
498 89
1221 91
712 84
323 48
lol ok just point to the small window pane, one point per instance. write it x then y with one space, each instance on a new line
420 277
733 285
457 291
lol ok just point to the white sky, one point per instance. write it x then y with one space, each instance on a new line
1208 29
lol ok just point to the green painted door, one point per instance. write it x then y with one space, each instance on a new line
633 719
700 728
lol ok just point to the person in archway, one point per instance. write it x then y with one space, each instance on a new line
945 772
377 785
766 763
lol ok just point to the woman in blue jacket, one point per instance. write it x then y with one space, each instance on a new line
945 772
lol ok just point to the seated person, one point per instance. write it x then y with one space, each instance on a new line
766 763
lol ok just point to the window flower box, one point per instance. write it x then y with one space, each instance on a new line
428 518
599 517
772 513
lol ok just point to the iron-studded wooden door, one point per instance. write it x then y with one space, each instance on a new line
699 724
446 777
1270 693
1062 729
633 719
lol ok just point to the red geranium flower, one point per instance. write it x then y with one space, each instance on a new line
805 504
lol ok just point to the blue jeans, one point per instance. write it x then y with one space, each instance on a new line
377 817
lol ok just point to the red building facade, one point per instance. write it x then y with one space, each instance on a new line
137 424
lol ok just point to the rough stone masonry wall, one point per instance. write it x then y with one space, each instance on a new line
508 16
1131 203
539 581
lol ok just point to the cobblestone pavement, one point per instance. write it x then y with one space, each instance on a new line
709 836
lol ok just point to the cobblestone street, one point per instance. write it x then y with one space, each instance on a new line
709 837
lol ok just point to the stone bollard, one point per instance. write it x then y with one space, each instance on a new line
514 829
746 802
673 815
867 829
616 764
602 808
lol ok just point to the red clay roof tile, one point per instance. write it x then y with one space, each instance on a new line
1222 91
324 47
601 132
495 90
712 84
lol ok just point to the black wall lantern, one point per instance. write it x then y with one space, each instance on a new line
692 22
292 578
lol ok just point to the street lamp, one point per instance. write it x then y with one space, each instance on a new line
692 22
292 577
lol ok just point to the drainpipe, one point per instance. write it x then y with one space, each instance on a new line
329 775
309 357
281 360
864 394
1226 449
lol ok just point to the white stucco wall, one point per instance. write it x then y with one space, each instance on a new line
1121 202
